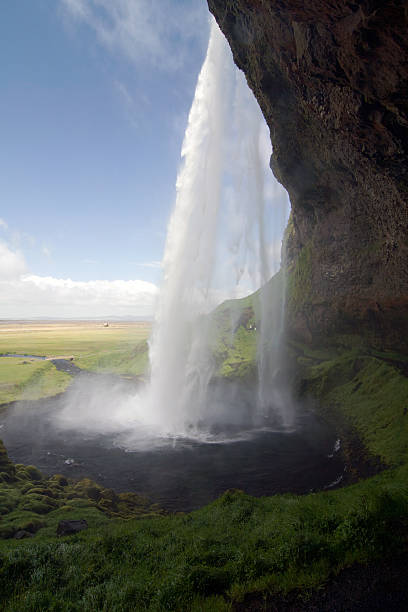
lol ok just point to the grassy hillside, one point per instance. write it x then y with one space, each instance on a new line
236 329
365 389
234 338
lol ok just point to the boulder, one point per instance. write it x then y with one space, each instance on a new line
21 534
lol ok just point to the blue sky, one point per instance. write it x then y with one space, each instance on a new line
94 101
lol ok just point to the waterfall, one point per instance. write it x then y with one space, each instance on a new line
224 241
179 355
262 205
219 243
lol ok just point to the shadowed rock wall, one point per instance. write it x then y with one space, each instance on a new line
331 78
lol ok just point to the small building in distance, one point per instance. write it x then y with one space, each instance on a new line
106 324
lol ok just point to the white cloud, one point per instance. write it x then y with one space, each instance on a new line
24 295
45 296
12 263
3 224
152 31
46 251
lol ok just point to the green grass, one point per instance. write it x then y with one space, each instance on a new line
24 379
369 392
235 353
120 349
130 361
201 561
29 500
77 339
236 327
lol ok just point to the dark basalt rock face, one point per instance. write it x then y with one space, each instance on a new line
331 78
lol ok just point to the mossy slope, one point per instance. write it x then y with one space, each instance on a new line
235 330
30 501
367 389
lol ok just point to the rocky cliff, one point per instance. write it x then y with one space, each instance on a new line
331 78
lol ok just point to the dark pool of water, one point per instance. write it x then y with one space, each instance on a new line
184 474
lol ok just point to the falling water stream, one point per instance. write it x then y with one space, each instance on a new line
222 182
181 366
184 437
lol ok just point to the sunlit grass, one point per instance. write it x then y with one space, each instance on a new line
24 379
120 348
128 361
80 339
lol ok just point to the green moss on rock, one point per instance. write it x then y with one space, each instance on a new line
368 391
7 468
33 472
31 502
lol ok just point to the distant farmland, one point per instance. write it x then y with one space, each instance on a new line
120 348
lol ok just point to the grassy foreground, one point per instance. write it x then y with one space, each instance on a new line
210 558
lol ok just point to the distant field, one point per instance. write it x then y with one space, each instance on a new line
120 348
79 338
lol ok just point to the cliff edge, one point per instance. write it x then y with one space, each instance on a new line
331 79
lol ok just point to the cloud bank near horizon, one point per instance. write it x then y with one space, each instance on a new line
24 295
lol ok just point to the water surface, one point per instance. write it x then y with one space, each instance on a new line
178 473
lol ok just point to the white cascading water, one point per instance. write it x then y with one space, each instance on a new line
181 365
221 183
224 240
262 206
